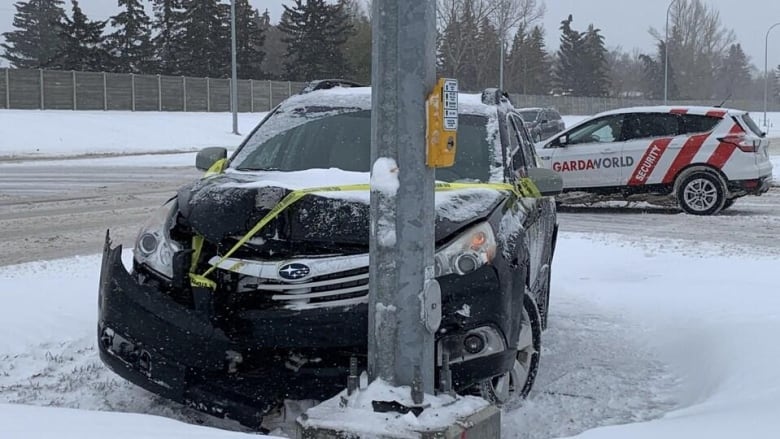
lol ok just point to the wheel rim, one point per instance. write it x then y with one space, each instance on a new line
508 384
700 194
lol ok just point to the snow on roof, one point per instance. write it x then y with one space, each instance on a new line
679 109
361 97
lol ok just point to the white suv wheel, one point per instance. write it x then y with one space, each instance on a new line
701 193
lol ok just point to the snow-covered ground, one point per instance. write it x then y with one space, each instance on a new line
666 343
33 133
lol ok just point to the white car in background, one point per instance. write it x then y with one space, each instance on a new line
705 158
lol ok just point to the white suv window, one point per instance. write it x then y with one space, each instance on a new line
647 125
602 130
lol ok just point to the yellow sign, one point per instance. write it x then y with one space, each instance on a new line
441 129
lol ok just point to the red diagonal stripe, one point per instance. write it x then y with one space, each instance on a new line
716 113
685 156
649 161
724 151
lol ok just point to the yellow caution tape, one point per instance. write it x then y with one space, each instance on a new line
217 168
524 188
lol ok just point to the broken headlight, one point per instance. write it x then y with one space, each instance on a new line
469 251
154 247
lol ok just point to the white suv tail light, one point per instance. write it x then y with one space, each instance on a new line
742 142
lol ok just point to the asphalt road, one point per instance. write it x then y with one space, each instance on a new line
49 212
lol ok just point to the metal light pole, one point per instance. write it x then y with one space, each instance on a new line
666 53
501 66
401 243
234 67
766 69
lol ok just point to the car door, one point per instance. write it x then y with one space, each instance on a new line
588 155
540 224
650 147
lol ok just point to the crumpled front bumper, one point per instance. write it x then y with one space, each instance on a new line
157 343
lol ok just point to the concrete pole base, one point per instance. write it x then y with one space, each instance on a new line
484 423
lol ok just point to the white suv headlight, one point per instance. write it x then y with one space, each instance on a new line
469 251
153 246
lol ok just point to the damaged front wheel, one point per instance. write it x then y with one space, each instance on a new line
520 379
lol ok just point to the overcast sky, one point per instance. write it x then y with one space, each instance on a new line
623 22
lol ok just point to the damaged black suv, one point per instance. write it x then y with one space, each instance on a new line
239 299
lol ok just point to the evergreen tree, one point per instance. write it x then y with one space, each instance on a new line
594 80
130 45
568 65
315 33
274 48
250 38
733 77
517 67
206 39
83 44
653 75
458 48
357 48
488 55
36 40
529 64
169 39
581 68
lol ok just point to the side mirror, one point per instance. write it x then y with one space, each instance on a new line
208 156
544 121
549 182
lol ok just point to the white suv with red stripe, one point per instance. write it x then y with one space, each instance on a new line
704 157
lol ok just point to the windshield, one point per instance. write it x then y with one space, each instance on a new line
341 138
529 116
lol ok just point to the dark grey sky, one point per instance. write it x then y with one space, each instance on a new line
623 22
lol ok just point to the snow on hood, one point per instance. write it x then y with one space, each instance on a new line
454 205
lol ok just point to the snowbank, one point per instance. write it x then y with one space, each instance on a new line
32 133
708 317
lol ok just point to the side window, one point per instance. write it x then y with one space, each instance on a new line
606 129
695 123
645 125
523 152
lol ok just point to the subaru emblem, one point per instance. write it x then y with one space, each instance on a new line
294 271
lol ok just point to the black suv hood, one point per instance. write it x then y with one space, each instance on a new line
229 205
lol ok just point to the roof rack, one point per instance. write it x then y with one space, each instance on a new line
494 96
326 84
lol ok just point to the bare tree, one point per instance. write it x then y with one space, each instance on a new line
698 40
512 15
